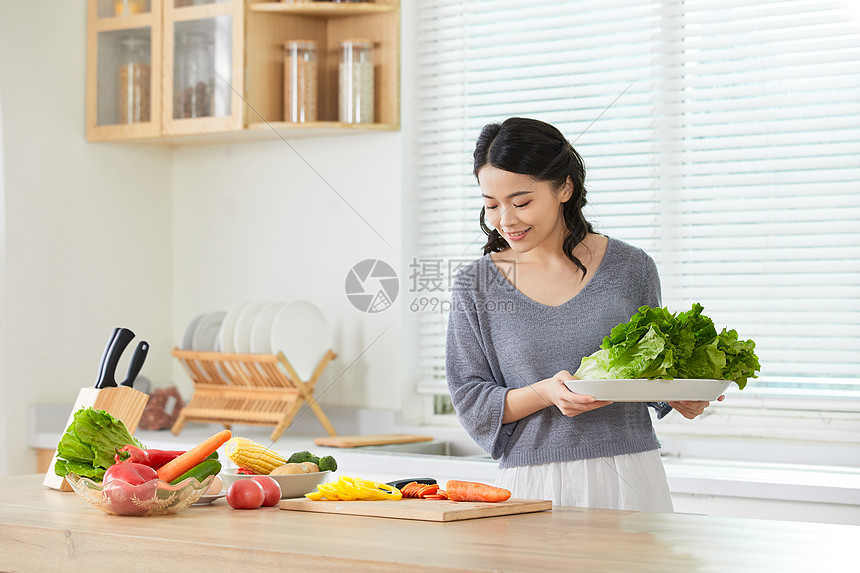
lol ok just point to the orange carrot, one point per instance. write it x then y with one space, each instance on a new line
178 466
474 491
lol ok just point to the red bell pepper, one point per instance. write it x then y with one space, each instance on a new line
130 487
152 458
129 472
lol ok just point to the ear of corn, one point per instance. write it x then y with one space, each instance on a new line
249 454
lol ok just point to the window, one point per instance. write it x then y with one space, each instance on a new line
723 137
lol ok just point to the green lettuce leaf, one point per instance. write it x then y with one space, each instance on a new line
655 343
87 448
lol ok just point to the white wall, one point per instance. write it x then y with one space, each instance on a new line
258 222
88 229
105 235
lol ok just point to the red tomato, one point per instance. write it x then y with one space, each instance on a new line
245 494
272 489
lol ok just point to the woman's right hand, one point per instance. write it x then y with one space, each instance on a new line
569 403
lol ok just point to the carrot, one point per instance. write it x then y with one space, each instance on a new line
474 491
178 466
427 490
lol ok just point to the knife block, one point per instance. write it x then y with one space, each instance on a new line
122 402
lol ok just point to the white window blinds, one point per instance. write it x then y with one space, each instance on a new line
723 137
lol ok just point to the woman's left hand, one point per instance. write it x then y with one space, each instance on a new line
690 408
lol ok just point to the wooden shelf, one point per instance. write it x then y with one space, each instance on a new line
323 9
316 128
261 132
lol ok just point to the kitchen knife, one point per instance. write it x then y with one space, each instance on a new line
116 345
402 482
137 360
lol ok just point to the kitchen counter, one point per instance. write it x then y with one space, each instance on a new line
47 530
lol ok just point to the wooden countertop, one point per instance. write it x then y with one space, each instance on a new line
47 530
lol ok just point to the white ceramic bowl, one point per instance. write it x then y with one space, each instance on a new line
293 485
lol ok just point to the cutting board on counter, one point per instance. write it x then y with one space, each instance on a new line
419 509
374 440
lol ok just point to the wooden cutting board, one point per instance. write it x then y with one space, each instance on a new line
419 509
374 440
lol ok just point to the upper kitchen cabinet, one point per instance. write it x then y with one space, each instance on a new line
201 71
203 66
123 69
346 51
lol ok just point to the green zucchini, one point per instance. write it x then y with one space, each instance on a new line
201 471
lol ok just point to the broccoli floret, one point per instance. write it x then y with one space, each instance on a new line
315 459
300 457
327 464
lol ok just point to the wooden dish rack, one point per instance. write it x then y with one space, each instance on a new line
255 389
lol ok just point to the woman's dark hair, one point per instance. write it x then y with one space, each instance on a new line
539 150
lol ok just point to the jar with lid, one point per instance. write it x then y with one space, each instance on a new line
300 81
193 76
134 80
130 7
355 82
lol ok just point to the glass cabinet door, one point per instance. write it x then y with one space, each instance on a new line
123 70
203 63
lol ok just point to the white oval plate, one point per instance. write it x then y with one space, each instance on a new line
244 322
301 332
642 390
206 499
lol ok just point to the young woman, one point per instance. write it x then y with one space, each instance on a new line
545 293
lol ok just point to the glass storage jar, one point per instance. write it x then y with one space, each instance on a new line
355 82
300 81
130 7
193 76
134 78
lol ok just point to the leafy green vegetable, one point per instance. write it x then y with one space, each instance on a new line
327 464
87 447
300 457
655 343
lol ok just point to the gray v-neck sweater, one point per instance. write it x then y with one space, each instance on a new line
499 339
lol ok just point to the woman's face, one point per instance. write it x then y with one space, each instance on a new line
524 211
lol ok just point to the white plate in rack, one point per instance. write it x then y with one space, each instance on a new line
642 390
244 323
301 332
225 335
261 330
206 332
188 335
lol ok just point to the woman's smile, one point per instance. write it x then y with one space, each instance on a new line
516 235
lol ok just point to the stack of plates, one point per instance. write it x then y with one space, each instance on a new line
297 329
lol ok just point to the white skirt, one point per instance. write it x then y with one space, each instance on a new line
635 482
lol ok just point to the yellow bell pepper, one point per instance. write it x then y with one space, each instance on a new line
351 489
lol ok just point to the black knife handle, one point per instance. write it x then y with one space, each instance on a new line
137 360
107 373
105 354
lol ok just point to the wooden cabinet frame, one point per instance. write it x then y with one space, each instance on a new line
259 30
